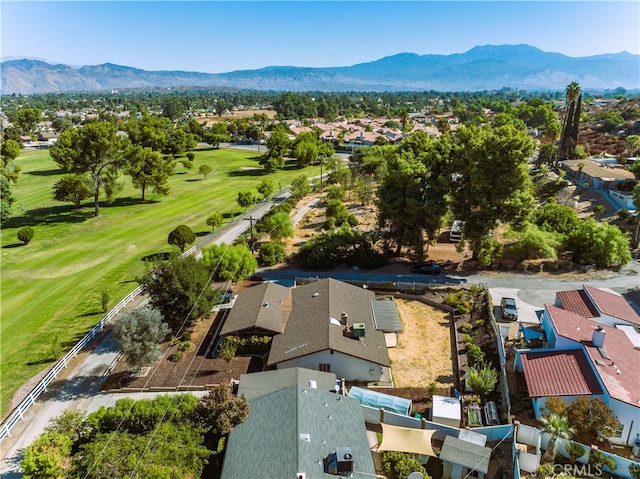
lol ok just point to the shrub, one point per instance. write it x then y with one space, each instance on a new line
432 389
272 253
185 346
475 355
191 156
451 299
463 307
479 323
181 236
466 327
599 460
25 234
468 339
176 356
186 335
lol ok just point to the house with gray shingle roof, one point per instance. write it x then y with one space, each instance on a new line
261 309
330 328
258 384
291 433
593 349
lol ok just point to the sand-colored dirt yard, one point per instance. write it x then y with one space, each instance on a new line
423 353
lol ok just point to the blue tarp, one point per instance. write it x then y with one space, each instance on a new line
381 401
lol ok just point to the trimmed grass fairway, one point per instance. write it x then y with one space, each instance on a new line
52 287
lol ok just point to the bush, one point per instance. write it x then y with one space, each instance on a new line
466 327
25 234
272 253
451 299
185 346
186 335
536 243
479 323
475 354
463 307
176 356
191 156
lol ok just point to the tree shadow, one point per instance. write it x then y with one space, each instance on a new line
156 257
55 172
130 201
50 215
13 245
40 362
200 234
231 215
251 172
93 313
193 180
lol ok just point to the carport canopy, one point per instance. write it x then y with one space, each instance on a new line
406 439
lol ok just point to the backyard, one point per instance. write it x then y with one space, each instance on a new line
423 354
51 289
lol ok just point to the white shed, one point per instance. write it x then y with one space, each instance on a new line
447 411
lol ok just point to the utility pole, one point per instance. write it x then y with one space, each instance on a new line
251 220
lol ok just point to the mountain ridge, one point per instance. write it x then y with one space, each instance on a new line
486 67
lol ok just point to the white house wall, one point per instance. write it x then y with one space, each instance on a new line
342 365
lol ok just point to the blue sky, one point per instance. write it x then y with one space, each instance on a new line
222 36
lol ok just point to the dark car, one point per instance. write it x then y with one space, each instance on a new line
509 309
429 268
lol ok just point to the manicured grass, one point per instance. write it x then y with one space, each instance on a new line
52 287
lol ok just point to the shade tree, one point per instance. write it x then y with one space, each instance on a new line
181 236
139 334
74 188
149 169
93 148
180 289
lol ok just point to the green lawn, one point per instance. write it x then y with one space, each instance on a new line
52 287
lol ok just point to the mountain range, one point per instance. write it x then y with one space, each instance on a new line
488 67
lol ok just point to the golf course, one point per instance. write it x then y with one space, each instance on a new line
52 288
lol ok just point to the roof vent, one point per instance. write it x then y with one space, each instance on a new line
305 437
301 475
315 295
344 317
266 305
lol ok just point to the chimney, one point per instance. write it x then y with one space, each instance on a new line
598 337
343 318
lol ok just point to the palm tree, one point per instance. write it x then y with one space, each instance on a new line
571 121
557 426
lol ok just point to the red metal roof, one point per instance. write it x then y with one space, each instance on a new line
559 373
612 304
578 302
620 374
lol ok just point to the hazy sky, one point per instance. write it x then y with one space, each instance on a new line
222 36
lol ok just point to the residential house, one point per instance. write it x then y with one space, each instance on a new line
259 310
258 384
592 340
330 328
602 175
298 432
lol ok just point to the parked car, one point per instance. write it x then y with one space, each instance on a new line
455 234
509 309
426 268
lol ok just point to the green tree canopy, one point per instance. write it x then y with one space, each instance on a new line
602 244
492 182
94 148
229 262
6 200
180 290
278 226
181 236
139 333
148 168
74 188
591 418
214 220
246 199
277 148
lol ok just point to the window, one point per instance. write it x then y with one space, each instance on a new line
619 430
324 367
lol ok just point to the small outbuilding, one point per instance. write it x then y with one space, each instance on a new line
447 411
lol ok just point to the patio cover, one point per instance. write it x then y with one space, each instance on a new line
381 400
406 439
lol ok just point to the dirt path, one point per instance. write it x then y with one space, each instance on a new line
423 353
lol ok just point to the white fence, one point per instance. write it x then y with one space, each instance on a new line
18 413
